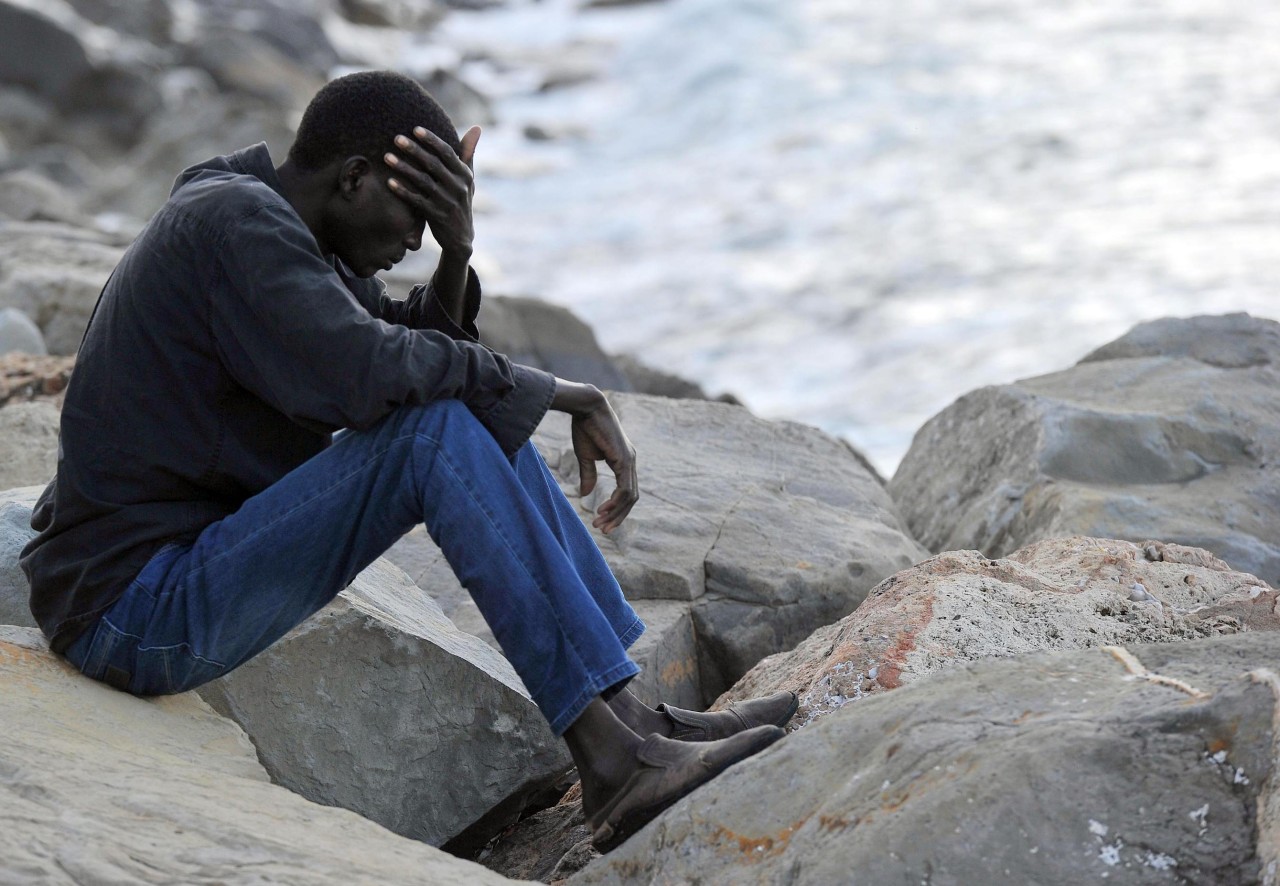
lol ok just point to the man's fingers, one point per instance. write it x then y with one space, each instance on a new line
611 514
437 155
586 476
469 142
615 510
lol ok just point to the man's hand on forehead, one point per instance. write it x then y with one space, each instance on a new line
437 184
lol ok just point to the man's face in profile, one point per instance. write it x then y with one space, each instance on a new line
374 229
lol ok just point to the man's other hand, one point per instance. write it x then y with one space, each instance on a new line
597 435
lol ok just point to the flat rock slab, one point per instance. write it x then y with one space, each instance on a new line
771 529
960 607
1171 432
380 705
102 787
1140 765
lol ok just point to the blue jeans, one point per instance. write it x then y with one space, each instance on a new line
196 611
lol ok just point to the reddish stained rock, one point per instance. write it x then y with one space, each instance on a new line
1056 594
28 377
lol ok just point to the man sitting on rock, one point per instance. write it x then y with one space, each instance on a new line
204 505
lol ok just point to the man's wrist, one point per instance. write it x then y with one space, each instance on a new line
457 253
576 398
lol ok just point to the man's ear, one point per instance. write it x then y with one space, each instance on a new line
353 176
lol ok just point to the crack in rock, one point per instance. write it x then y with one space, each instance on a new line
1138 669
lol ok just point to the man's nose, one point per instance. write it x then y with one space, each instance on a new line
414 241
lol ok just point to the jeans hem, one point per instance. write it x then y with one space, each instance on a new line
628 637
562 721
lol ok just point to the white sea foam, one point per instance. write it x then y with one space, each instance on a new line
851 214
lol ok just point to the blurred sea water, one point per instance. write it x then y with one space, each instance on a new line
851 213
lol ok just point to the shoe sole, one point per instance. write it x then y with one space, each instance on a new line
634 821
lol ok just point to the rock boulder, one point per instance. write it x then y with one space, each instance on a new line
380 705
1171 432
768 529
1139 765
29 440
1057 594
53 273
15 532
102 787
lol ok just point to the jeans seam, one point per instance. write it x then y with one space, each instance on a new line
100 658
376 456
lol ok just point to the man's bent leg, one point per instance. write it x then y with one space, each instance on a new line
198 611
577 543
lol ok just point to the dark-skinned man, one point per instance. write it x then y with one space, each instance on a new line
253 420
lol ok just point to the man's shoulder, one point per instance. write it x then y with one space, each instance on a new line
224 196
229 188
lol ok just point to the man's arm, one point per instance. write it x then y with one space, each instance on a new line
439 185
597 434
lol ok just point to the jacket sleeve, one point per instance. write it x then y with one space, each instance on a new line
288 330
422 310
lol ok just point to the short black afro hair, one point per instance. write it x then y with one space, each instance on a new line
361 114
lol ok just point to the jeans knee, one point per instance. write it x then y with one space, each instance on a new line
442 420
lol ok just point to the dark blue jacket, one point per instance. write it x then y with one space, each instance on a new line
223 353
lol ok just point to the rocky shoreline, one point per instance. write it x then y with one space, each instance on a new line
1044 651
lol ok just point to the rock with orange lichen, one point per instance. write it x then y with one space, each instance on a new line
1124 765
33 376
1056 594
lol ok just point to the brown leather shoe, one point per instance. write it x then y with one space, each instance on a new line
771 710
670 770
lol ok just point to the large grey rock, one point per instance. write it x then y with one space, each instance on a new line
646 379
1055 594
1151 764
295 28
770 529
667 653
193 131
378 704
19 333
149 19
248 65
1172 432
29 440
86 71
550 337
102 787
53 273
15 532
42 53
28 196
